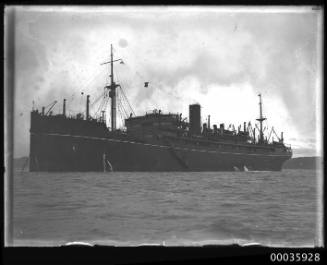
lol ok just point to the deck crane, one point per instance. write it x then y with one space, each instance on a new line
272 129
50 106
276 135
259 128
252 131
256 127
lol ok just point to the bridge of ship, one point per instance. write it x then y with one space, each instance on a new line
172 125
155 122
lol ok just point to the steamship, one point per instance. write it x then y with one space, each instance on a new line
155 141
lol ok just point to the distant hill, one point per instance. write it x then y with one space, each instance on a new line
21 162
303 163
294 163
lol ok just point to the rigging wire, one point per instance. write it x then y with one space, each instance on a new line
88 84
118 108
123 93
120 112
125 112
123 101
96 100
126 100
93 79
72 97
122 105
122 108
102 105
99 108
105 104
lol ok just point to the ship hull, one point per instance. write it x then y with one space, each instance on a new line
63 153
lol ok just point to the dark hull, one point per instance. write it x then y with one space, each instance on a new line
55 152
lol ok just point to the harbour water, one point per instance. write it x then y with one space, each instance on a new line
135 208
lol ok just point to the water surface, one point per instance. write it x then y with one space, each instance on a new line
120 208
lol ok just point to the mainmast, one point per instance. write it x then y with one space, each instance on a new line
260 119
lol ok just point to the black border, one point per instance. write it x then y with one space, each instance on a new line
232 254
149 255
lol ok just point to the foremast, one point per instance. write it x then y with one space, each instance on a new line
112 88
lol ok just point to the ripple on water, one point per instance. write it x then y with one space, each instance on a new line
273 207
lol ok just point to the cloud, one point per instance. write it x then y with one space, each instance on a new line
221 60
123 43
301 152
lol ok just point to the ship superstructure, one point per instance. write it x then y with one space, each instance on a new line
155 141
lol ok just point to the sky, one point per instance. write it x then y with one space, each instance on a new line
219 57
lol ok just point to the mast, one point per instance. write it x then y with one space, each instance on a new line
112 88
260 119
87 107
112 93
64 108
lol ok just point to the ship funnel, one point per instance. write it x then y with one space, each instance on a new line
209 122
195 119
43 108
64 108
87 106
282 137
244 126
